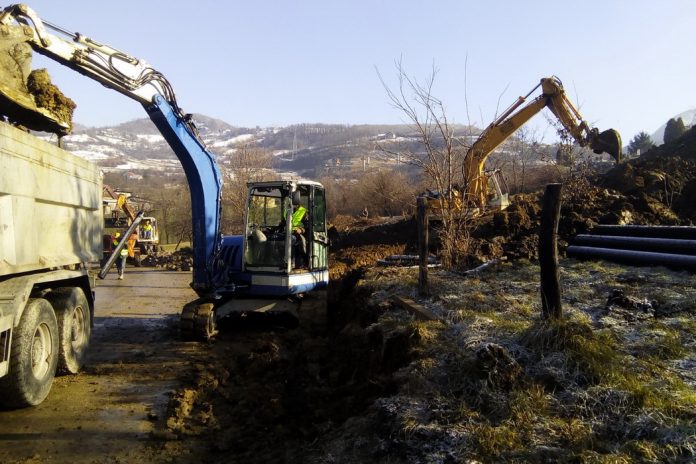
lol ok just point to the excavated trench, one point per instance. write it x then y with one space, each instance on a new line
270 391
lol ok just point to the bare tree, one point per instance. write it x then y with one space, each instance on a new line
247 164
173 211
441 159
525 152
387 193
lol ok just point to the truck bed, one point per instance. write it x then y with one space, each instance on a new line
50 205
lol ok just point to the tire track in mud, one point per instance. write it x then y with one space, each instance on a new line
107 412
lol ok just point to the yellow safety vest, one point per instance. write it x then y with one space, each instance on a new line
297 216
124 250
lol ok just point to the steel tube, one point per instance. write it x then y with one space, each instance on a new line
116 251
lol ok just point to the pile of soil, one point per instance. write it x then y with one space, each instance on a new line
180 260
49 97
29 98
662 181
361 242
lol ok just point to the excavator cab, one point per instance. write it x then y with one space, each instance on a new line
286 233
498 197
608 141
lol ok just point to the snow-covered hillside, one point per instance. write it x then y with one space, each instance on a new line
306 149
689 118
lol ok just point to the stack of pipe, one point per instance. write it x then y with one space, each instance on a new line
669 246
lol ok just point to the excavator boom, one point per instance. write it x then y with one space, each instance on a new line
22 30
557 101
552 97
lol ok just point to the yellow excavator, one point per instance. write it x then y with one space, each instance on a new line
478 182
147 231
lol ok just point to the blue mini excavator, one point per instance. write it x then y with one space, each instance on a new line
265 269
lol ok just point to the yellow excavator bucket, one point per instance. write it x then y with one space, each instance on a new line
608 141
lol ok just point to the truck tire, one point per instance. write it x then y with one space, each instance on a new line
34 357
74 326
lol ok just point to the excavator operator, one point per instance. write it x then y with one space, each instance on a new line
299 241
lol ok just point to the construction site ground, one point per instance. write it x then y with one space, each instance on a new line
360 379
382 386
109 412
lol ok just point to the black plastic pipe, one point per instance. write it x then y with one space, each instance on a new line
675 232
633 257
659 245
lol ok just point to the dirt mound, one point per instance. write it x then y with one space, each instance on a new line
48 96
28 98
359 242
180 260
661 183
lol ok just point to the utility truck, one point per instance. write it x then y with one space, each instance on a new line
50 239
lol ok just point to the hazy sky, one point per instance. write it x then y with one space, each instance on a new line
627 64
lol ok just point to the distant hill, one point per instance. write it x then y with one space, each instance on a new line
308 150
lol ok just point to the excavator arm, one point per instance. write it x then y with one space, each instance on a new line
552 97
121 202
137 80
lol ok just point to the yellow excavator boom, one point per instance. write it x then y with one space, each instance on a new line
553 96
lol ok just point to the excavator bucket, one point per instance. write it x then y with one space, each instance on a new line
608 141
28 98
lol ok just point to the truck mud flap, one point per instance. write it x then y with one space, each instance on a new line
5 341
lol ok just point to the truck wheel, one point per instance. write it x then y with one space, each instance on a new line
74 326
34 357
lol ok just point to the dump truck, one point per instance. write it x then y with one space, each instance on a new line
50 240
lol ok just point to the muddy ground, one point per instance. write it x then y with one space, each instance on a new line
109 412
263 391
357 379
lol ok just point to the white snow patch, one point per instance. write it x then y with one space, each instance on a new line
234 140
89 155
151 138
108 139
131 165
80 138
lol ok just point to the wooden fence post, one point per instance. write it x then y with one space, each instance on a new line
422 218
548 253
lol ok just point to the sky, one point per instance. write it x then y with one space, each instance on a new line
626 64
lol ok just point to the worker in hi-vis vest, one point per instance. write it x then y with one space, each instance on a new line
123 255
298 239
